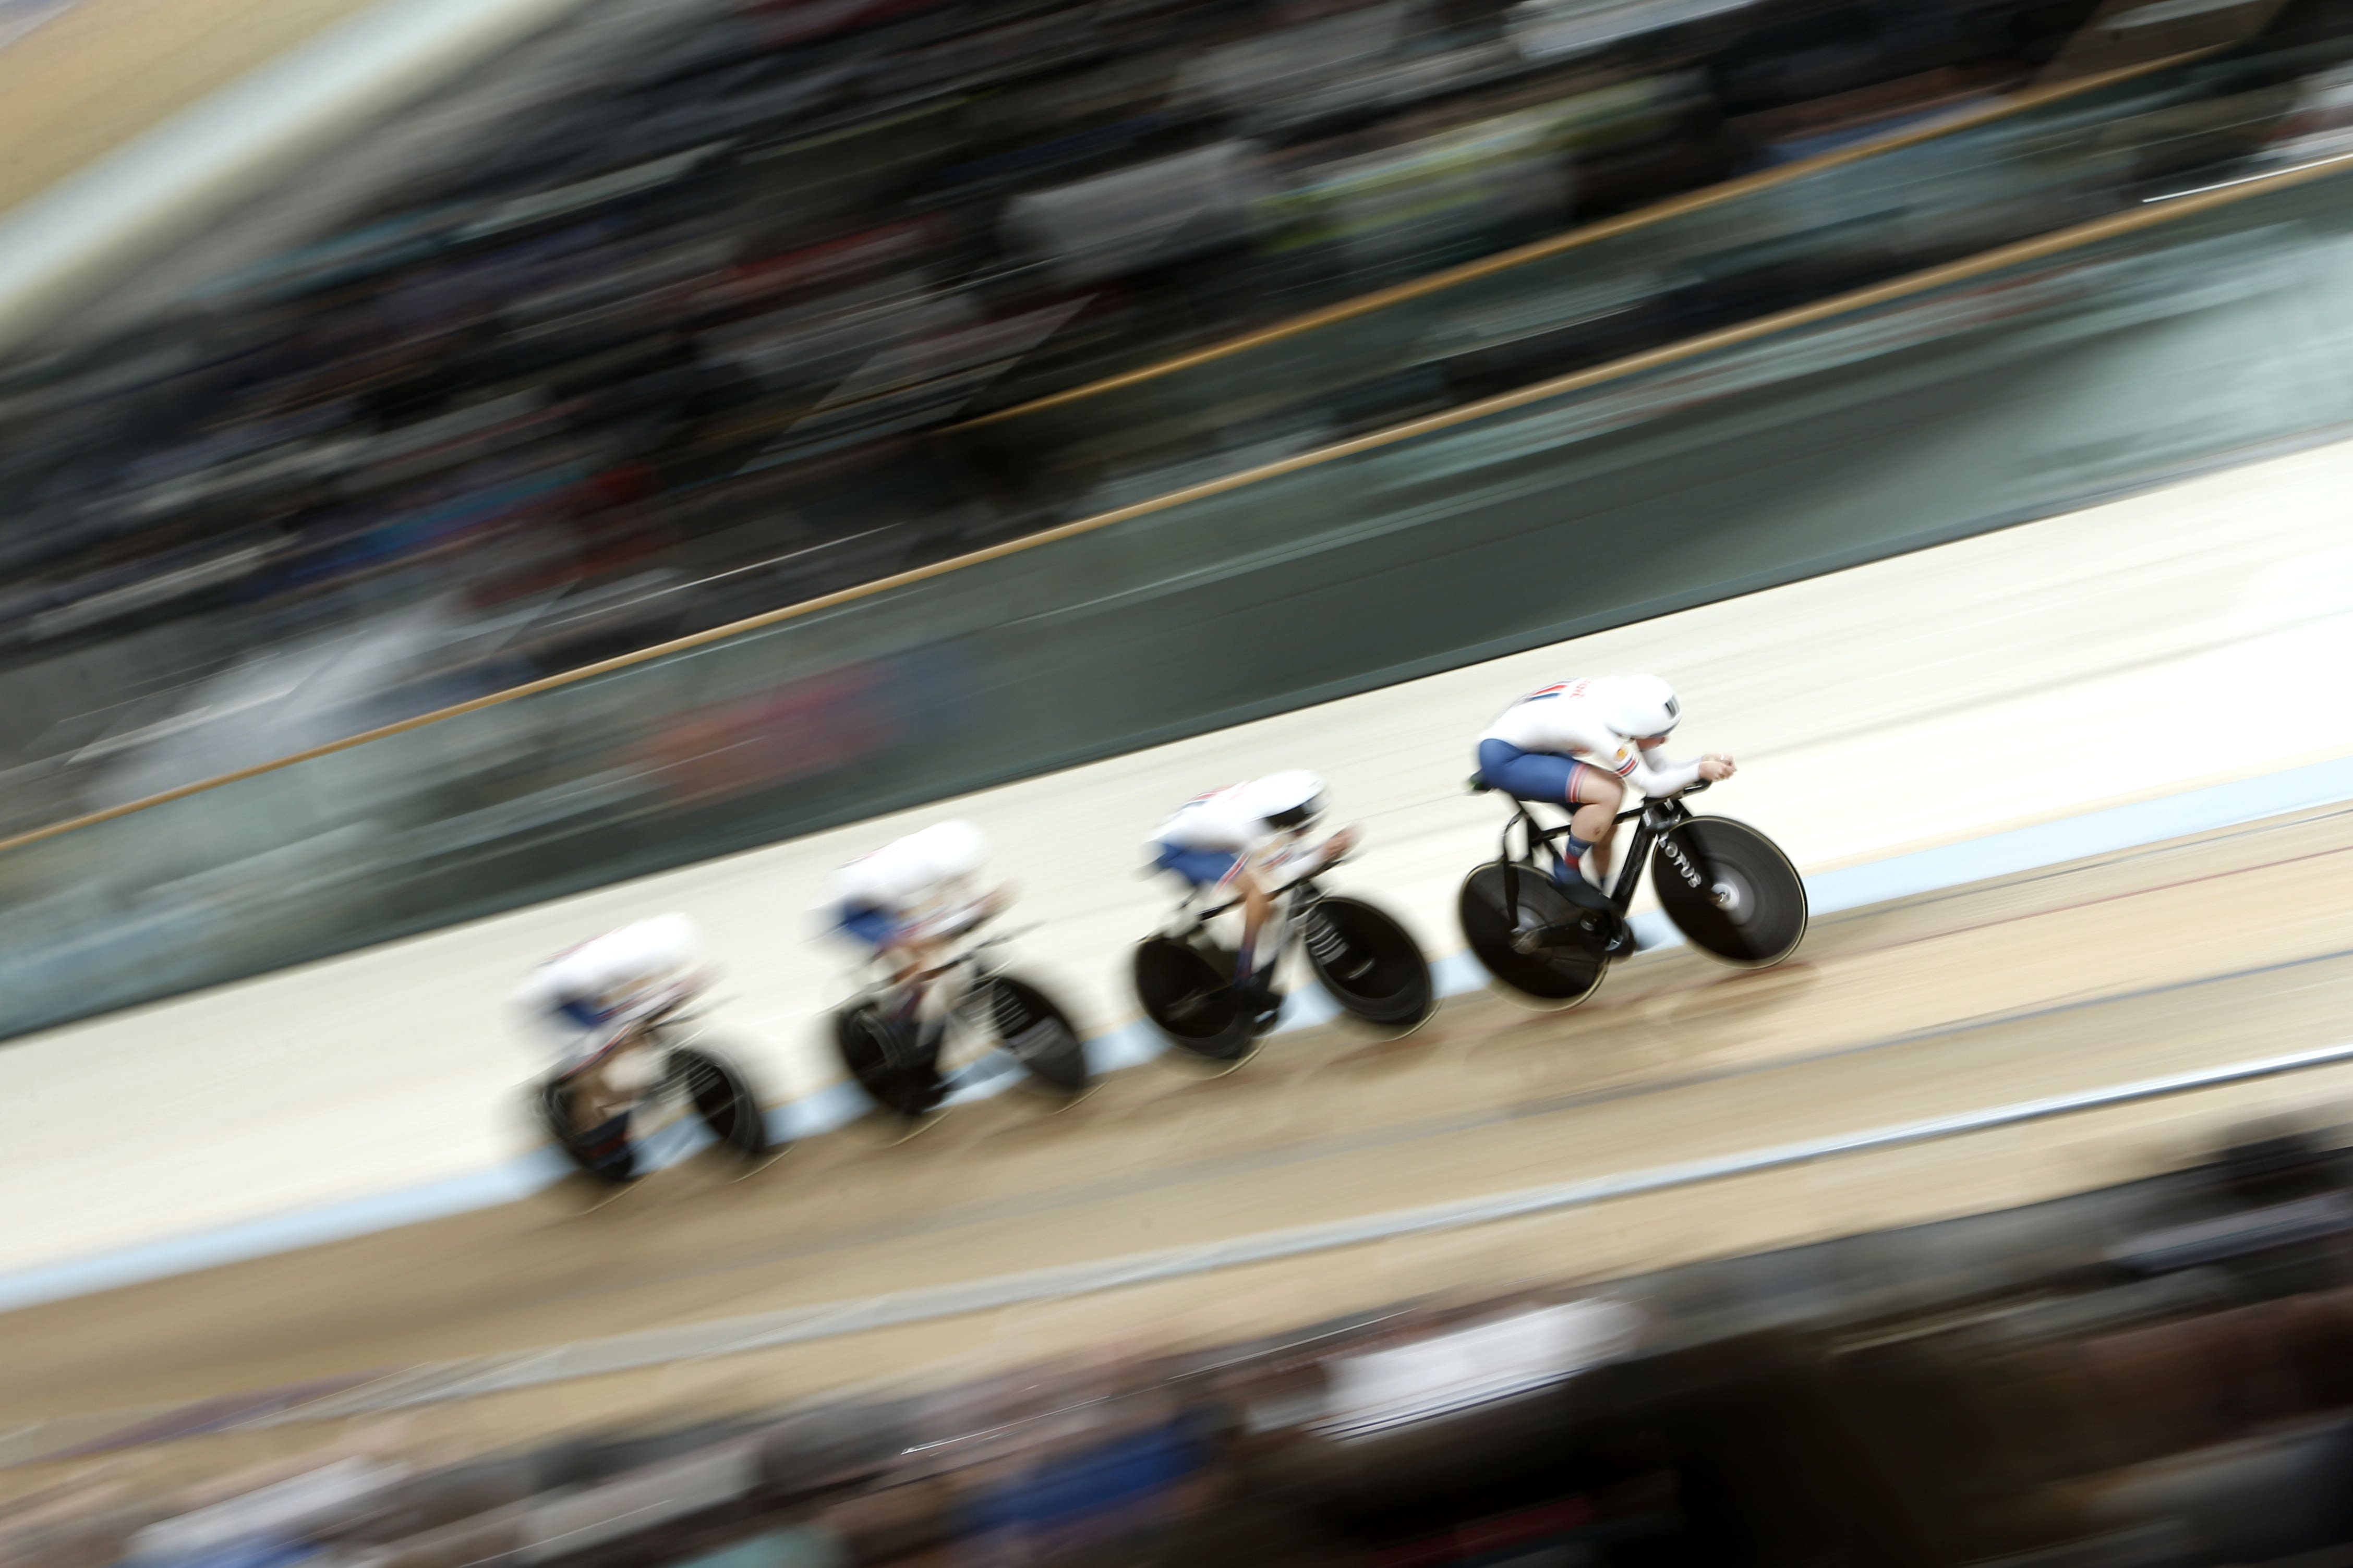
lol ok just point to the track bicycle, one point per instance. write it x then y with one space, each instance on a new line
1367 963
696 1088
1542 929
910 1072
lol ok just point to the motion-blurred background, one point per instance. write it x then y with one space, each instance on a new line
654 430
726 307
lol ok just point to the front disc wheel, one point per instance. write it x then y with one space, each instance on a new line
1730 891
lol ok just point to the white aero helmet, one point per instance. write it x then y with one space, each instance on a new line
1639 706
951 848
1286 800
631 955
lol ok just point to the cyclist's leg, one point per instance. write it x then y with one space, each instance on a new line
883 934
939 996
1257 908
600 1085
1596 796
599 1113
1589 795
1223 872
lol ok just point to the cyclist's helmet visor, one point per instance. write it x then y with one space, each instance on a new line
1299 815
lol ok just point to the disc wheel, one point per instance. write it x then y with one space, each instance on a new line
1535 942
1373 969
719 1097
884 1059
1730 890
552 1107
1038 1035
1190 999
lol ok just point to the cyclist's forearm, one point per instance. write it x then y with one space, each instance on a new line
1660 777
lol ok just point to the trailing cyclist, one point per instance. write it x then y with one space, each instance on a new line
907 901
1251 839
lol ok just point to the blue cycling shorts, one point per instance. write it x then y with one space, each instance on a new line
1202 868
583 1013
876 927
1528 776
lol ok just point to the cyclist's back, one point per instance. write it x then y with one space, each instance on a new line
1566 720
1584 721
912 888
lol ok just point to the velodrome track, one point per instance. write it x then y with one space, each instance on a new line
2182 648
852 1262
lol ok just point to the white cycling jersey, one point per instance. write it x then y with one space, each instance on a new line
1567 720
1229 821
925 876
1223 820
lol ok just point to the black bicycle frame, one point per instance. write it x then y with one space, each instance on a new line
1310 896
1651 819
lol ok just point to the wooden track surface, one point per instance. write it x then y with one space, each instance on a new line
106 71
2196 952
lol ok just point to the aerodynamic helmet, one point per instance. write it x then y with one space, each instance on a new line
1640 706
1287 800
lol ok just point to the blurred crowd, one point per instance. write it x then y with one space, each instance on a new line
425 487
673 346
2159 1375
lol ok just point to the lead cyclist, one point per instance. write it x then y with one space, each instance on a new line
1578 743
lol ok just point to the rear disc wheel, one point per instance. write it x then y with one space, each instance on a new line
1190 1000
884 1059
1530 937
552 1109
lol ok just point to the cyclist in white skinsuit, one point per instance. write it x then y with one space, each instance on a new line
909 898
1251 839
595 999
1578 743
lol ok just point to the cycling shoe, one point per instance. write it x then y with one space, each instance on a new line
1261 1001
1585 895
